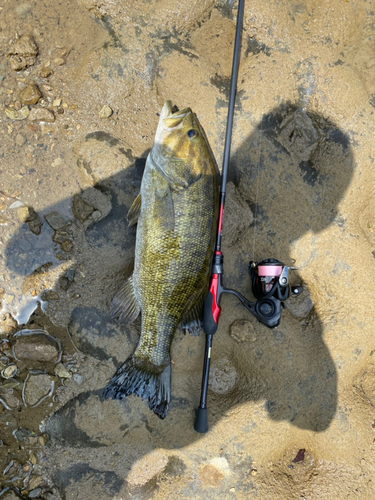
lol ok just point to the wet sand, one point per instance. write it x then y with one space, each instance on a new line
291 410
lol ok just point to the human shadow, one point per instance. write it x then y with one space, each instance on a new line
292 170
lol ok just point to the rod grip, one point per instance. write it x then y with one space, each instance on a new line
201 422
211 312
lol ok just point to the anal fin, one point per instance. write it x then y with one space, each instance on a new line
134 211
124 305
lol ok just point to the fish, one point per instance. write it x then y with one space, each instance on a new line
176 213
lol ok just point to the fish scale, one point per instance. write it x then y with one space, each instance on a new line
174 245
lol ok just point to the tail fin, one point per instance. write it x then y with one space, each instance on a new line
132 379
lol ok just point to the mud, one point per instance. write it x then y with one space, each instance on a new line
291 410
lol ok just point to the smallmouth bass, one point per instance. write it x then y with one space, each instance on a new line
176 212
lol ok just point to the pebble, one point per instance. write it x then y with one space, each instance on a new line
17 105
42 439
60 236
37 387
67 246
26 214
35 493
9 371
60 61
20 140
33 458
45 72
39 114
61 371
78 379
49 295
23 53
13 114
35 225
36 345
105 112
81 209
9 401
56 102
30 95
223 376
300 305
242 331
57 221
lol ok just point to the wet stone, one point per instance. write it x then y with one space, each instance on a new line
8 399
35 225
81 209
37 387
61 371
223 376
242 331
36 347
67 246
39 114
300 305
49 295
57 221
30 95
23 53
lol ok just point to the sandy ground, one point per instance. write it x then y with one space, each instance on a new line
291 410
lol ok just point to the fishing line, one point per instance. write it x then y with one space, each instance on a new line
257 171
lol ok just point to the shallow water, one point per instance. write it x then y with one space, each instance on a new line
291 409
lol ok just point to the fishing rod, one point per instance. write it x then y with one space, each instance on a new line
270 278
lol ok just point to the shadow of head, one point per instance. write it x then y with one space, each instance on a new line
292 170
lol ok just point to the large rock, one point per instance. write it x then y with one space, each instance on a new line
36 345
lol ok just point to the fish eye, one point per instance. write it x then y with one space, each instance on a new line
192 133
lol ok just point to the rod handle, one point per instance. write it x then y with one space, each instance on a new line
201 422
211 310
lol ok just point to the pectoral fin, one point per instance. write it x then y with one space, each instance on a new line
134 211
124 305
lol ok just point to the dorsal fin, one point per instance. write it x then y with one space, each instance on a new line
134 211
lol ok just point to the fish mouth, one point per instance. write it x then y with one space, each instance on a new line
173 119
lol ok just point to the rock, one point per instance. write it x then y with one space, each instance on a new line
20 140
60 236
7 324
13 114
17 105
39 114
223 376
42 439
237 216
9 371
61 371
78 379
105 112
242 331
9 401
35 225
300 305
34 482
37 387
23 53
49 295
60 61
57 221
81 209
100 201
35 493
56 103
30 95
26 214
36 345
45 72
67 246
33 458
10 495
